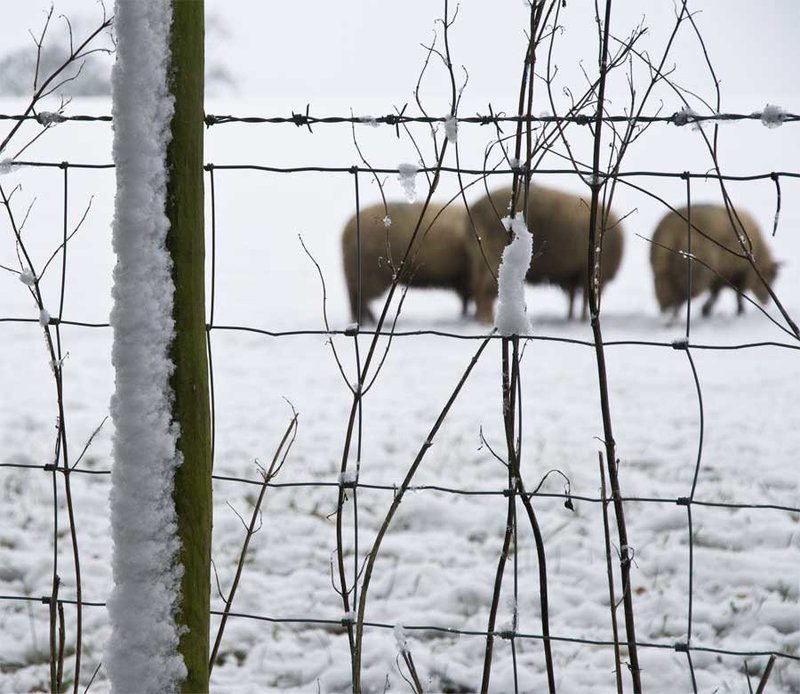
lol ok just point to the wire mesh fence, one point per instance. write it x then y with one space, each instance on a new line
348 490
424 464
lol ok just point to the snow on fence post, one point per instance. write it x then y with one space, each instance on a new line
161 479
185 242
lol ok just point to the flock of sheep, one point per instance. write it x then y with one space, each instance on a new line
460 251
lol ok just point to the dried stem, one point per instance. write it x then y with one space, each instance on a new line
612 600
398 497
268 475
602 375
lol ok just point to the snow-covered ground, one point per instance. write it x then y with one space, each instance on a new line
437 563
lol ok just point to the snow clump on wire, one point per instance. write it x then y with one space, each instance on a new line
400 638
50 117
773 116
407 175
451 128
512 318
686 115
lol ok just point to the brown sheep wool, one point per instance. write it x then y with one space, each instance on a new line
439 257
560 225
722 261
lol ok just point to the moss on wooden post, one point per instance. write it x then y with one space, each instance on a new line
185 241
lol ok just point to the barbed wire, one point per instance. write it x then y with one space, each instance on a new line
305 119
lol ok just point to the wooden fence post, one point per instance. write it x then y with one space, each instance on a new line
186 245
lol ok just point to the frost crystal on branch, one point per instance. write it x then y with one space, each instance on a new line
407 175
512 318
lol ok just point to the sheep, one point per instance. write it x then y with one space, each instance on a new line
439 258
560 225
713 236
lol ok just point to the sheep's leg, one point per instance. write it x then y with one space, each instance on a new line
712 299
483 307
571 294
585 306
464 303
361 314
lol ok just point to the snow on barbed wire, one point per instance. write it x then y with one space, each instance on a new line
142 652
772 116
451 129
686 115
50 117
407 175
387 221
368 120
512 317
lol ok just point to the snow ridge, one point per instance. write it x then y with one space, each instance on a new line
141 655
512 317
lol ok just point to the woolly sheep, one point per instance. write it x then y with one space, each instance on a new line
441 259
712 234
560 225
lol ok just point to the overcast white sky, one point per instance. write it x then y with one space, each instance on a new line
370 49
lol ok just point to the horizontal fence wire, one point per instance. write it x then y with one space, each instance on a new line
393 488
503 634
677 344
621 175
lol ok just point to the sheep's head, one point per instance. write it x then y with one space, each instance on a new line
769 273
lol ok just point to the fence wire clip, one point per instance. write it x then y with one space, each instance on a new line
351 330
507 634
681 343
683 501
50 467
681 647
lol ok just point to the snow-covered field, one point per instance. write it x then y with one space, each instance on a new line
437 564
